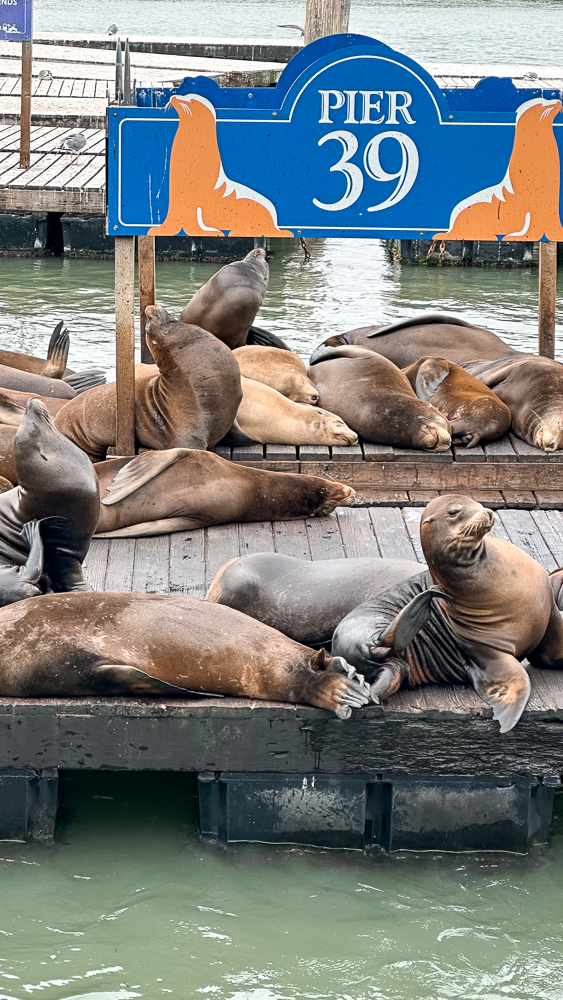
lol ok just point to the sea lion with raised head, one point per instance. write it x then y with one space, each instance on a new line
304 600
425 335
188 399
270 418
532 388
483 607
283 371
107 644
377 400
176 490
475 413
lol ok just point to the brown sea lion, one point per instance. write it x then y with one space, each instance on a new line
377 400
13 404
475 413
426 335
305 600
176 490
227 304
483 607
7 452
189 399
106 644
270 418
53 366
532 388
283 371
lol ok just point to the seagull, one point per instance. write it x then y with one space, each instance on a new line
296 26
73 143
45 74
113 29
530 75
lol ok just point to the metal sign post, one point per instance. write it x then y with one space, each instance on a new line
16 26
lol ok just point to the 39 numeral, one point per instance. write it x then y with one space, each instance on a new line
405 175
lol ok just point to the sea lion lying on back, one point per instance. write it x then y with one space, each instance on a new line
377 401
426 335
97 645
532 388
189 399
283 371
270 418
176 490
475 413
483 607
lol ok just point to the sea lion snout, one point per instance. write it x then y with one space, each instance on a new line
435 433
549 435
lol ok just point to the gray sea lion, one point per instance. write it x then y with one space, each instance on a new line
483 607
57 487
377 400
426 335
178 489
227 304
283 371
53 366
106 644
475 413
270 418
532 388
304 600
13 404
189 399
39 385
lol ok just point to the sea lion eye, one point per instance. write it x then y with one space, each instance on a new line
454 511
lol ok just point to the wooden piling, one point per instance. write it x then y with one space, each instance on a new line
547 297
147 289
25 116
125 344
326 17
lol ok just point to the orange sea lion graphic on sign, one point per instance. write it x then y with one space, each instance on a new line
202 199
525 205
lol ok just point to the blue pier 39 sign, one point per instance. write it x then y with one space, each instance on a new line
355 140
15 20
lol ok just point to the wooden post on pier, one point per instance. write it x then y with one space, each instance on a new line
125 344
147 289
326 17
25 115
547 296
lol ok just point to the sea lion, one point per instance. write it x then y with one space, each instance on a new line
38 385
59 488
189 399
377 400
532 388
425 335
176 490
107 644
202 199
304 600
53 366
13 404
283 371
524 205
227 304
475 413
270 418
484 606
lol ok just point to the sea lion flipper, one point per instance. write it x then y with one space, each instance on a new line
424 319
431 373
125 679
502 682
57 353
32 570
265 338
87 379
408 623
141 470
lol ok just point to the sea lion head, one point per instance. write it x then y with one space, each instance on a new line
330 427
163 333
548 432
257 260
428 428
452 530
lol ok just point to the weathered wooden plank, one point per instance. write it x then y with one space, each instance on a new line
187 563
147 289
347 453
223 451
420 498
549 499
522 531
314 453
391 533
448 476
325 540
125 344
500 451
291 539
415 454
377 452
121 560
95 563
82 202
411 518
248 453
522 499
550 525
221 544
489 498
151 566
357 531
463 454
255 536
280 453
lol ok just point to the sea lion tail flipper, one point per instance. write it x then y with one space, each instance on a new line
235 438
431 373
141 470
390 676
88 379
264 338
502 682
403 629
147 529
424 319
57 353
121 678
